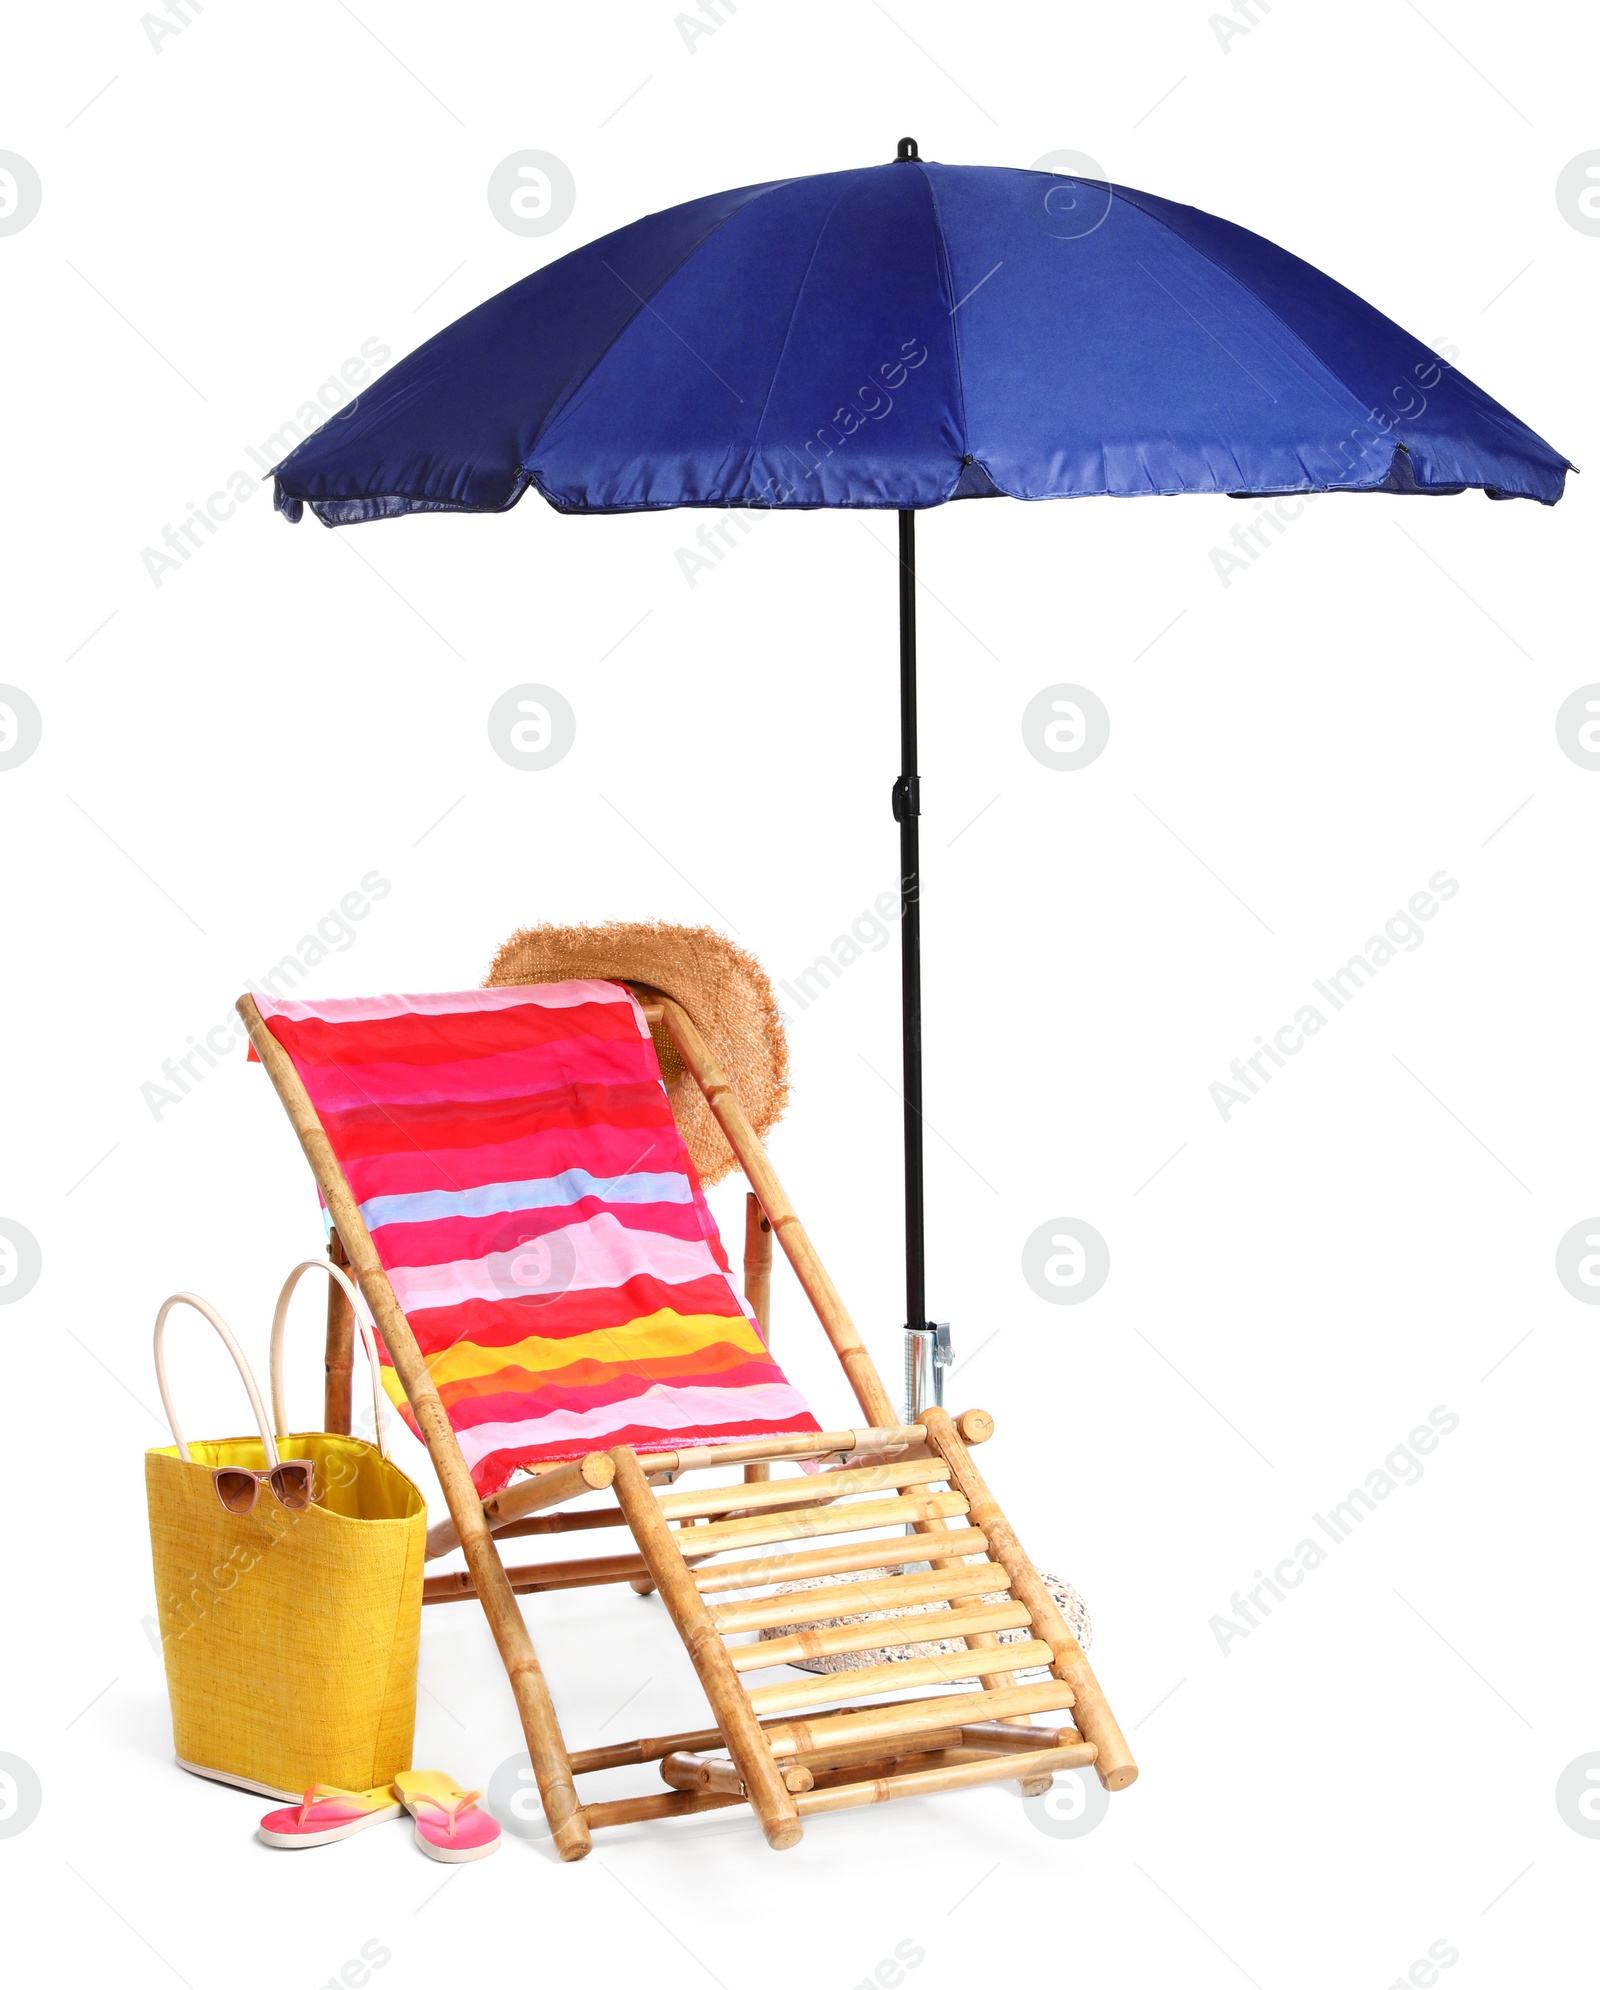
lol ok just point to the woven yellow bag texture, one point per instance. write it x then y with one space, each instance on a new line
290 1638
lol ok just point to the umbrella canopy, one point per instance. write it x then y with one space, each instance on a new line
901 335
892 338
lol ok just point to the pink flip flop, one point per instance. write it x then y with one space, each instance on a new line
327 1813
450 1826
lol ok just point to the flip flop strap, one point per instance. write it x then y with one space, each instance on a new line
451 1810
319 1794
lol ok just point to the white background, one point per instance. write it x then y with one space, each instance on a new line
1370 1771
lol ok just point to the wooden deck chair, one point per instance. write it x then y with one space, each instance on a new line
448 1133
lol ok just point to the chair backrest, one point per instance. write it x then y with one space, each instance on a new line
517 1164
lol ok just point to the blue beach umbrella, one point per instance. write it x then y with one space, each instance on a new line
892 338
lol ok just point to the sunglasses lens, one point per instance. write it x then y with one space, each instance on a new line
236 1490
292 1484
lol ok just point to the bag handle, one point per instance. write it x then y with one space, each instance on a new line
357 1308
200 1306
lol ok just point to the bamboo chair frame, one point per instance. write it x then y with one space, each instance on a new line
785 1761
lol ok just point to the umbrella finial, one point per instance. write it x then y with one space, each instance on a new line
908 149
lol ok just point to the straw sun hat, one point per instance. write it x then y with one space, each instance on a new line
725 991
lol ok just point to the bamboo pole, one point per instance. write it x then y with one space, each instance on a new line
836 1560
956 1776
591 1473
694 1772
879 1757
895 1592
730 1707
926 1752
818 1287
700 1772
815 1737
859 1744
870 1442
804 1525
628 1754
1032 1785
904 1762
339 1355
1016 1736
560 1523
883 1757
819 1487
655 1748
758 1265
758 1294
542 1731
885 1633
684 1770
663 1803
947 1668
532 1578
787 1499
649 1748
570 1481
1114 1763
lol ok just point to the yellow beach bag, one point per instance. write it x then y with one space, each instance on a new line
289 1599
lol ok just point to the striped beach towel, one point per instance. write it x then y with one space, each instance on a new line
516 1160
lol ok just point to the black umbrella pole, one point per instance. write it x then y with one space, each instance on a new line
923 1378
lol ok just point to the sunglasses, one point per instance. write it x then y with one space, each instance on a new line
291 1485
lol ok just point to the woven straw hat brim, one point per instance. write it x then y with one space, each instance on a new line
724 989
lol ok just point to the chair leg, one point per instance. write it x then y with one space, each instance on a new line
339 1358
758 1293
730 1705
1114 1763
546 1750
